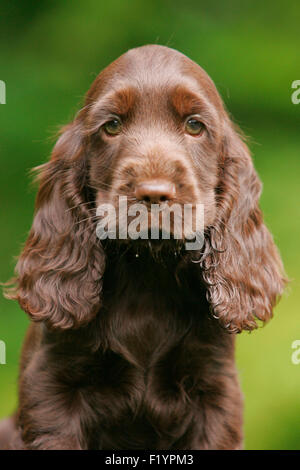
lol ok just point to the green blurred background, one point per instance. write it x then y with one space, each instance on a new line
50 52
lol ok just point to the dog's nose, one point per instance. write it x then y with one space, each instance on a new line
155 191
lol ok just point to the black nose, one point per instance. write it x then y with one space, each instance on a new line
155 191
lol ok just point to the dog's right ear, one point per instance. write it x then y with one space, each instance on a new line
60 269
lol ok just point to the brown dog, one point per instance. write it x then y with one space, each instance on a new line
131 344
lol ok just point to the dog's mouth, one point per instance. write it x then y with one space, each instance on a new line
155 239
159 250
157 226
166 250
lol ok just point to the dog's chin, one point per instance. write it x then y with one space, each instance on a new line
161 247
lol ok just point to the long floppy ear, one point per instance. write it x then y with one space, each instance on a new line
60 269
242 268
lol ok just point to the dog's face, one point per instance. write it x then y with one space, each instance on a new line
155 126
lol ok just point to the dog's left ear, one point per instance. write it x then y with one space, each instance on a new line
242 268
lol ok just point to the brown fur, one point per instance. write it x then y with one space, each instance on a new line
129 352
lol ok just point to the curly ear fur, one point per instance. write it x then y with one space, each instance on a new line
241 266
59 271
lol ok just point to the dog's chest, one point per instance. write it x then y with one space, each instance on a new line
144 398
146 370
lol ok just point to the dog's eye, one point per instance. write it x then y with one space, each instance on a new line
193 126
113 127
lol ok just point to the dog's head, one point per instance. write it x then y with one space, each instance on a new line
153 131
